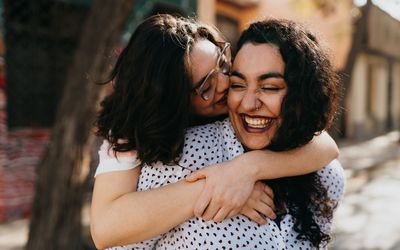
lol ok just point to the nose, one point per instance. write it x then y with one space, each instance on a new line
251 101
222 83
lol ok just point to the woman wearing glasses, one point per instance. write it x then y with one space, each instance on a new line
171 76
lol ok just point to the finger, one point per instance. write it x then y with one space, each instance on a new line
264 209
269 191
268 201
221 215
259 185
196 176
211 210
202 203
233 212
254 216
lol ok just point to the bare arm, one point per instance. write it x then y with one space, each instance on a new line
120 215
225 189
309 158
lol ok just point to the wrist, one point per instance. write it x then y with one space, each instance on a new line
246 167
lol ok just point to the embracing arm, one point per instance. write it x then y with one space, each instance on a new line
225 189
313 156
120 215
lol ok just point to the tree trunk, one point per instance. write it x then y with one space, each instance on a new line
63 172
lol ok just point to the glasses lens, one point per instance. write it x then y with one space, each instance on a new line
205 96
221 62
223 66
209 86
226 51
225 60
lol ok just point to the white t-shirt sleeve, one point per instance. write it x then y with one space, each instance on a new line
109 162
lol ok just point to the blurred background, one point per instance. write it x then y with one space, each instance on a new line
53 51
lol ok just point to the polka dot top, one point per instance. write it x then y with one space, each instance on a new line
210 144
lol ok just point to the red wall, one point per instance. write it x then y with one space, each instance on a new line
20 152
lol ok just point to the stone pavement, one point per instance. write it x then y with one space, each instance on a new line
357 158
367 218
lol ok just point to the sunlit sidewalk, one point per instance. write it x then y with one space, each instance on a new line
357 157
369 216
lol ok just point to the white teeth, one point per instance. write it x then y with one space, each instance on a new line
256 122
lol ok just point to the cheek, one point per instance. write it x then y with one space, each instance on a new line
198 104
234 100
279 103
274 103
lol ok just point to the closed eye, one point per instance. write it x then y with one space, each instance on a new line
237 86
270 87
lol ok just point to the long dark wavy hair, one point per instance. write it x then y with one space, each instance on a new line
149 109
308 108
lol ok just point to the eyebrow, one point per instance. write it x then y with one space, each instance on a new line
238 74
270 75
259 78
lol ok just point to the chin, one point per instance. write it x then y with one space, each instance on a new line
251 145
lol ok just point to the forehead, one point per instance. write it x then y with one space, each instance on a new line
256 59
202 59
202 51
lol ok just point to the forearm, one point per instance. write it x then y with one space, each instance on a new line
264 164
132 217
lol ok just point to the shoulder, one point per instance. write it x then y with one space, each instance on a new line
202 146
333 178
205 131
332 171
232 145
207 144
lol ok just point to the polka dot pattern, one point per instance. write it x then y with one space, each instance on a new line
210 144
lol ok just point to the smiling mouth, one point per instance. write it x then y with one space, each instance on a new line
257 124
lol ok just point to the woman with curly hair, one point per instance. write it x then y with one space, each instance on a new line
160 90
283 80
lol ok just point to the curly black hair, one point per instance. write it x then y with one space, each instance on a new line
307 109
149 109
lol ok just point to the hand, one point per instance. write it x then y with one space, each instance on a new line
261 202
226 190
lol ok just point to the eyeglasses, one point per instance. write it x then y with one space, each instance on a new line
207 87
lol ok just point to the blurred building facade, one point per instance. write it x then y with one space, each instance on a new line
373 95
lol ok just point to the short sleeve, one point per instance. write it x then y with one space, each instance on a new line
111 162
333 179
